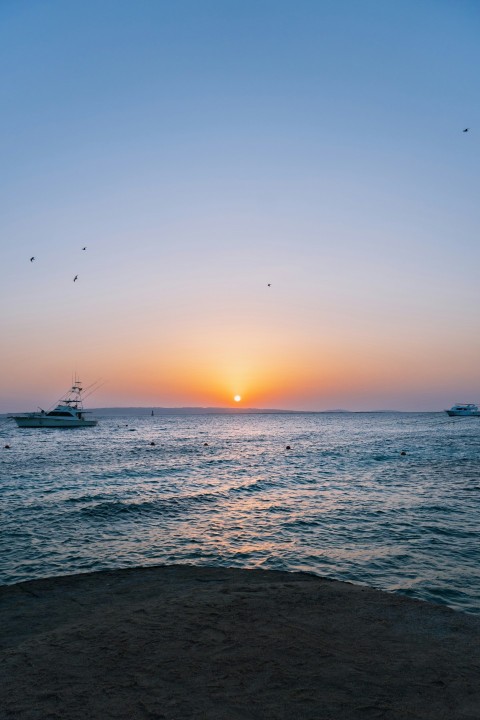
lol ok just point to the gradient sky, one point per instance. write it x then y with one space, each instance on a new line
201 149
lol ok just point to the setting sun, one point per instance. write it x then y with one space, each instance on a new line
237 398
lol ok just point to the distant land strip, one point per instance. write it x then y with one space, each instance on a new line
218 411
147 410
190 411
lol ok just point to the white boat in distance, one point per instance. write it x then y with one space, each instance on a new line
463 410
69 413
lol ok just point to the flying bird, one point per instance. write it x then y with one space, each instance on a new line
269 284
84 248
32 258
466 130
75 278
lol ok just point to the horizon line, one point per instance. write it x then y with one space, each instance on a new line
226 408
223 410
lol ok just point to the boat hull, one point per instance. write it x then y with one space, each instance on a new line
46 422
456 413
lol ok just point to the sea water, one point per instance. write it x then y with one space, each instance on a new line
344 502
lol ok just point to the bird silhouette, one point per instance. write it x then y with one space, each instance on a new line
84 248
75 278
466 130
269 284
32 259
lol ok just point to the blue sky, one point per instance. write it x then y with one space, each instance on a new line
203 149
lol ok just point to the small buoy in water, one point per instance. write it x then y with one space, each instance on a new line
7 447
288 447
205 444
403 452
152 443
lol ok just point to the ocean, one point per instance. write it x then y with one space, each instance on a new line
343 502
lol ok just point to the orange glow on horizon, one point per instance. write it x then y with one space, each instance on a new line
275 369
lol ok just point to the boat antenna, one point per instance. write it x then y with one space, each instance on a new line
92 385
94 389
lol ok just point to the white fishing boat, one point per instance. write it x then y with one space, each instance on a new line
463 410
69 413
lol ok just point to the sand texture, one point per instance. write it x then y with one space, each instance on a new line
224 644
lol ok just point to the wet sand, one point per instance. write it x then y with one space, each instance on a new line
182 642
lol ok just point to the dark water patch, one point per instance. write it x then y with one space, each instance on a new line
438 510
451 531
96 497
164 507
254 486
117 509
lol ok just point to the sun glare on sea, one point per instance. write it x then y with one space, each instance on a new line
237 398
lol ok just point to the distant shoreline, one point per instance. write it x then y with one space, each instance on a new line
225 411
199 411
147 410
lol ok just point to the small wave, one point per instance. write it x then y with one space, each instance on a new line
84 499
451 532
251 487
167 507
432 510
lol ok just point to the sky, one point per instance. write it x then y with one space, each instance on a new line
277 199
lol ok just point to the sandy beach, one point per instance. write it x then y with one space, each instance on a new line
182 642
